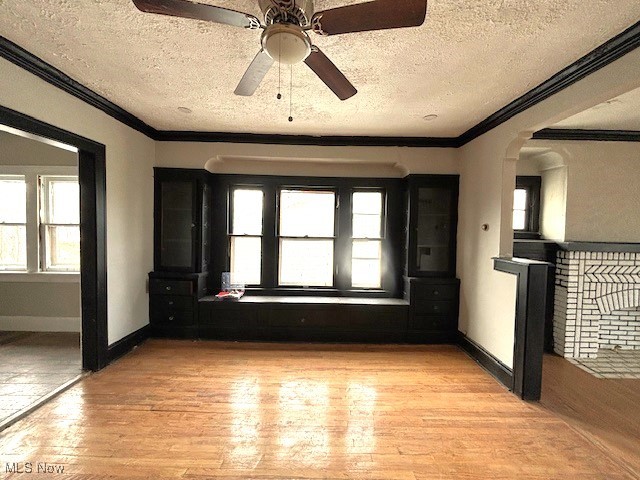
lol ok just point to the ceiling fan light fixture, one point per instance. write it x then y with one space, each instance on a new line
286 44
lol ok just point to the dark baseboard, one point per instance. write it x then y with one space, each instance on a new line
128 343
491 364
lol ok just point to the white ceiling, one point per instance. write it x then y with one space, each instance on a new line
620 113
468 60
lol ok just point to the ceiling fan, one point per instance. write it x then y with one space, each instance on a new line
286 23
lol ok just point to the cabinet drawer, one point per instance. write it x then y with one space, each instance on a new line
172 318
232 316
435 292
430 307
159 286
171 303
433 322
301 317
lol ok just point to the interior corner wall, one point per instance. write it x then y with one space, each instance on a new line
553 204
130 157
603 204
487 303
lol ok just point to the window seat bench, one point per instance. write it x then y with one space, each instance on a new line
304 318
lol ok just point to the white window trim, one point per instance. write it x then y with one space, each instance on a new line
33 273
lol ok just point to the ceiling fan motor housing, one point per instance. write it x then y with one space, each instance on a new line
297 12
286 44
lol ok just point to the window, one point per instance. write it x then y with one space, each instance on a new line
39 219
59 224
306 237
13 223
246 227
366 252
526 204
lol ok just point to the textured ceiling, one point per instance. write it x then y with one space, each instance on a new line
620 113
468 60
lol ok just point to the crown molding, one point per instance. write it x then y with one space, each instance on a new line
600 57
271 139
587 135
596 59
50 74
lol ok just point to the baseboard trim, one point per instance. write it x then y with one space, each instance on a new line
40 324
128 343
491 364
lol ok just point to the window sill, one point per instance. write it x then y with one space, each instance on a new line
40 277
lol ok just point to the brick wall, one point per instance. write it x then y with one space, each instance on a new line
597 302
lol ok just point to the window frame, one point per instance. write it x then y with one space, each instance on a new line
33 272
231 235
44 220
381 238
333 238
532 184
10 177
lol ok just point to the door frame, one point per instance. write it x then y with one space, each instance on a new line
93 231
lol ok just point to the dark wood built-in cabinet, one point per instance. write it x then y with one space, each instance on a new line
433 311
191 250
182 250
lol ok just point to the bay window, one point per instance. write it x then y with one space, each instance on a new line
246 227
367 229
13 223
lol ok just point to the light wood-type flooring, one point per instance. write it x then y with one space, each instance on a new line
198 410
606 411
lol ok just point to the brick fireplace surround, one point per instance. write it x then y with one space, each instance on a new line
597 299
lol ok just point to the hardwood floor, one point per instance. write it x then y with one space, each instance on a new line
605 411
196 410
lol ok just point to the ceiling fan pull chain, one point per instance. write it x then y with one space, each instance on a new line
279 96
291 96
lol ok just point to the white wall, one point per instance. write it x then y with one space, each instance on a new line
603 185
486 196
553 204
129 157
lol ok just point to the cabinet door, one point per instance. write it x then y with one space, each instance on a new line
432 226
177 224
433 240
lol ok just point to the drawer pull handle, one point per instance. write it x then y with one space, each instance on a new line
302 320
436 292
171 319
170 303
167 288
436 308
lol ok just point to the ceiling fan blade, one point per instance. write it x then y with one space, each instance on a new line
254 75
376 15
329 74
198 11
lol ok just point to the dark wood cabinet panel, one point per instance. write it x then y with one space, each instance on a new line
432 216
173 303
433 314
162 286
181 220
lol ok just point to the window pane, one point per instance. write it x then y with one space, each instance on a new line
365 264
518 219
367 203
64 202
13 200
246 257
63 248
366 249
307 213
520 199
306 263
247 212
365 273
13 247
